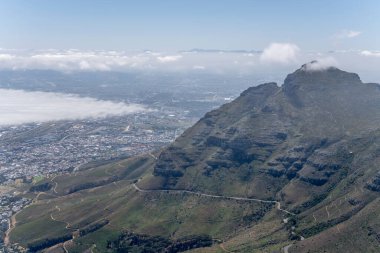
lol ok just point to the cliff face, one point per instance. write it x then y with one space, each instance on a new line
272 141
313 144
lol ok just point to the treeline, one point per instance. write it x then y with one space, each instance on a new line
188 243
315 200
259 214
44 187
48 242
92 227
131 242
132 167
90 185
167 172
375 184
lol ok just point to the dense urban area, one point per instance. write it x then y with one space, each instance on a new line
31 152
40 149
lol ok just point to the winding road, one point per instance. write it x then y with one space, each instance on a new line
155 157
56 184
328 213
223 248
278 204
64 246
286 248
11 226
54 219
137 188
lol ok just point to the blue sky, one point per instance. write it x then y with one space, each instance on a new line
152 35
170 25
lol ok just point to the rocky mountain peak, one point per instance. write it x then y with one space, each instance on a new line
315 104
316 74
316 81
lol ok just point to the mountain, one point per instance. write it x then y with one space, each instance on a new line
291 168
275 134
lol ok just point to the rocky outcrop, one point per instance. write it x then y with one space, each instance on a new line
374 183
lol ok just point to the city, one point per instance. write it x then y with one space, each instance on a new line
31 152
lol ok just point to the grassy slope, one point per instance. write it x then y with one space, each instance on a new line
171 215
352 235
177 215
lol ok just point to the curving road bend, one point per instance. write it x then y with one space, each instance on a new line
278 204
286 248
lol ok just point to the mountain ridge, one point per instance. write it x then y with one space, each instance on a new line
310 145
287 115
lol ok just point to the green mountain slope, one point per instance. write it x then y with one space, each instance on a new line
292 168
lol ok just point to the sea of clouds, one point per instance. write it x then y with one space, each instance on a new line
19 107
276 57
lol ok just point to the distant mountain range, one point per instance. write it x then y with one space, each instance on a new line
279 169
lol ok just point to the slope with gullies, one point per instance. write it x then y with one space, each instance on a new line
293 167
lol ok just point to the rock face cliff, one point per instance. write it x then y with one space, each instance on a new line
274 141
312 144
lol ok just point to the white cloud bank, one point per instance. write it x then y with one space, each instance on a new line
280 53
19 107
275 58
370 53
169 58
73 60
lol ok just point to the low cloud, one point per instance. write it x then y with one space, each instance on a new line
73 60
19 107
280 53
276 59
320 64
370 53
169 58
6 57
